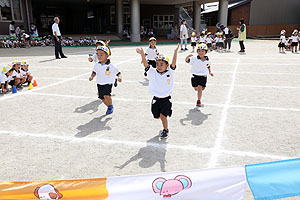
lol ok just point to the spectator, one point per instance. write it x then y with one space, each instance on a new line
33 31
183 34
12 31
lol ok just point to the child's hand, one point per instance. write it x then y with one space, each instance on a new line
90 59
177 47
120 79
91 78
140 51
107 42
4 91
189 55
211 74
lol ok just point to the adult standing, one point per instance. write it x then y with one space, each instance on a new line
12 31
183 34
229 35
242 34
57 39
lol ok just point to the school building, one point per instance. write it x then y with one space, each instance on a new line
96 17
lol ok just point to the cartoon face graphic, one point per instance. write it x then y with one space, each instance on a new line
47 192
168 188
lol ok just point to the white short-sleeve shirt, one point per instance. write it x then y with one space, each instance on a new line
294 38
23 72
199 67
184 31
193 39
282 39
106 73
55 28
16 74
161 85
208 40
151 53
3 78
202 39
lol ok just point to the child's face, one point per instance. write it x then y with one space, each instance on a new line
161 66
102 56
17 66
9 73
201 53
153 43
25 67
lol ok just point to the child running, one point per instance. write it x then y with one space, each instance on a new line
161 84
151 53
200 70
106 73
94 57
193 41
282 42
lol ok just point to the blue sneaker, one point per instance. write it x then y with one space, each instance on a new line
110 110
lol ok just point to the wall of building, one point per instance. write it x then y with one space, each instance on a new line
4 25
237 13
147 12
264 12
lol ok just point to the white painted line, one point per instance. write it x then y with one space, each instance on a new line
185 83
218 143
72 139
54 84
175 102
141 70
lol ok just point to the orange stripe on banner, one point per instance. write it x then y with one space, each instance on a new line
81 189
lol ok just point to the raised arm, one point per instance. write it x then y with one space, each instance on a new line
175 56
107 45
187 59
141 52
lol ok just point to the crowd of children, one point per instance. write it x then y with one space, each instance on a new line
213 41
25 41
160 72
17 75
292 43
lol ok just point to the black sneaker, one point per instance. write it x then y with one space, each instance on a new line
164 134
185 49
182 49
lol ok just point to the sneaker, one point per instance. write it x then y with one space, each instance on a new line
181 49
185 49
164 134
198 103
110 110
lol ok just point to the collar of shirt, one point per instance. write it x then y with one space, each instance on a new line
198 57
106 63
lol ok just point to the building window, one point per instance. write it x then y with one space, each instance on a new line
11 10
163 21
126 15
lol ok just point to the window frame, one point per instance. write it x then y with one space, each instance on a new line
159 24
12 13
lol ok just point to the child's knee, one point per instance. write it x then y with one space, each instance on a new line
196 88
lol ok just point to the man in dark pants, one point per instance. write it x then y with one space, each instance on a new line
57 39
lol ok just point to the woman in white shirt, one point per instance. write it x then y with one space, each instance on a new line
183 34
